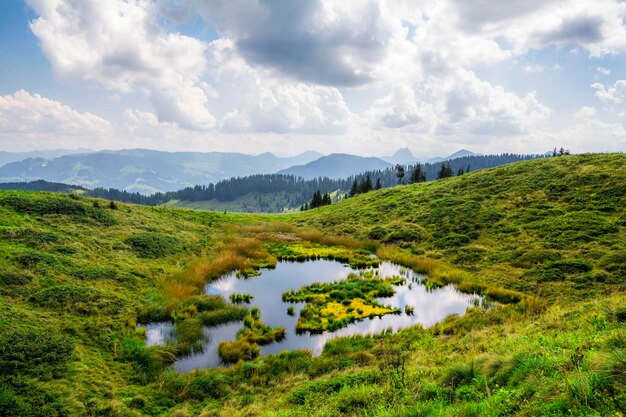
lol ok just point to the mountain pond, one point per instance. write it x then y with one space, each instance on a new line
431 306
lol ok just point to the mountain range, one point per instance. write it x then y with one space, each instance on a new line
336 166
148 171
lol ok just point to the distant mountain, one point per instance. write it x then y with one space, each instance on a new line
8 157
402 156
337 165
147 171
458 154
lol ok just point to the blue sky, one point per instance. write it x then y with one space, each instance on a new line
365 77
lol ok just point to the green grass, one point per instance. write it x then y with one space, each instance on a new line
545 238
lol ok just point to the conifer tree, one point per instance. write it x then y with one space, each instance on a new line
445 171
355 188
367 187
418 174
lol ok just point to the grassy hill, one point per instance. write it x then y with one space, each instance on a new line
544 238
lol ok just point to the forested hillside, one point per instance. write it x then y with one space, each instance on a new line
272 193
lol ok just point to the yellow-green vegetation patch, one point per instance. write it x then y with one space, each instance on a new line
302 250
334 305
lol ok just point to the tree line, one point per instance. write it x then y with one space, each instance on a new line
297 190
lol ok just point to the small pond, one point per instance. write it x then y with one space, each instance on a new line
431 306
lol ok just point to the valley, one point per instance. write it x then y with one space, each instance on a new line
515 274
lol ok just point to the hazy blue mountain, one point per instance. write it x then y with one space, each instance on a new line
147 171
458 154
402 156
7 157
337 165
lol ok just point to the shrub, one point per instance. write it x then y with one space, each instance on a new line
66 295
45 204
20 398
453 240
377 233
32 237
236 350
557 270
211 386
30 258
33 351
534 257
95 272
615 262
460 374
335 384
571 266
15 277
154 244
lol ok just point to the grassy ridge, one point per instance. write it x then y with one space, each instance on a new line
76 275
550 227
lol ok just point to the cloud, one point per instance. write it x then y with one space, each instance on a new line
401 109
265 102
611 95
595 25
30 121
475 106
120 45
322 42
26 113
528 68
603 71
586 112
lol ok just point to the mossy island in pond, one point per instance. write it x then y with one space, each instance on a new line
254 334
241 298
331 306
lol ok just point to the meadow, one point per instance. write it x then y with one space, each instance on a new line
544 239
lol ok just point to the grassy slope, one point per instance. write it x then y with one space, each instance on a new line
555 228
504 225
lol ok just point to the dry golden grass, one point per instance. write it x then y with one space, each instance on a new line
419 264
265 227
316 236
237 254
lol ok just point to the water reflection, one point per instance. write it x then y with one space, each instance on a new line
431 306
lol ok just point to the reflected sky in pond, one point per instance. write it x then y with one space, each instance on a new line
431 306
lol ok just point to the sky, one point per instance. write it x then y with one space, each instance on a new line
365 77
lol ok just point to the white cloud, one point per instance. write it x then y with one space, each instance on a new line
603 71
120 45
401 109
586 112
528 68
327 74
30 121
594 25
26 113
591 135
611 95
265 102
475 106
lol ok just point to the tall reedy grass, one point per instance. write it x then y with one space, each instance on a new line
439 274
236 254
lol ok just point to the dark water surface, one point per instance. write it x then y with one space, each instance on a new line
431 306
